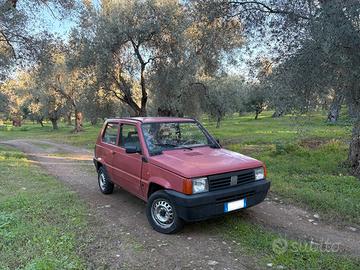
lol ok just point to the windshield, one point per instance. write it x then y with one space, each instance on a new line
173 135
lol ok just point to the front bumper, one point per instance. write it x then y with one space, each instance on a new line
211 204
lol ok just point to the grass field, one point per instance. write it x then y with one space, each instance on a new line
40 219
276 251
305 156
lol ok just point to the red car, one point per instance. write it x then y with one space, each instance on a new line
178 168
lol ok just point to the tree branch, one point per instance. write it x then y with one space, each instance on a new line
8 43
49 8
267 9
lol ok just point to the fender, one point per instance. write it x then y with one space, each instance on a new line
156 180
99 164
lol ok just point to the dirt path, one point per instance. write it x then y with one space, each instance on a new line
124 238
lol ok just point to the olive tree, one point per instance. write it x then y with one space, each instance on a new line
59 77
154 48
222 96
123 39
15 97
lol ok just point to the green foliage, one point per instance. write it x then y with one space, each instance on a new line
316 178
40 219
281 148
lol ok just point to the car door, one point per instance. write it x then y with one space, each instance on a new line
127 167
109 143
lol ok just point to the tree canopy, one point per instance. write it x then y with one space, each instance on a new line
168 57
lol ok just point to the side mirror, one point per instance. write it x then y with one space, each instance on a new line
131 149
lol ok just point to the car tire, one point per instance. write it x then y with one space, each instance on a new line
105 185
161 213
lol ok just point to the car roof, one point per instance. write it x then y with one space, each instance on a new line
153 119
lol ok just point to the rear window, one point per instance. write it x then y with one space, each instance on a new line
111 132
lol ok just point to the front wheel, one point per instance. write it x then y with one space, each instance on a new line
162 215
105 185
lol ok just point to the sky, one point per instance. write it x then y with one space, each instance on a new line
53 23
47 18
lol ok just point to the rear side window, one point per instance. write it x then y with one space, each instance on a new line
111 132
129 136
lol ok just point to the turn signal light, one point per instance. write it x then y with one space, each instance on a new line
187 186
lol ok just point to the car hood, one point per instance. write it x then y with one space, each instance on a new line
203 161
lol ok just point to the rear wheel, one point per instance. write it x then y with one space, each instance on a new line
105 185
161 213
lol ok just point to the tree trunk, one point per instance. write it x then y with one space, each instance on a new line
78 122
68 118
278 113
352 113
16 122
218 120
40 120
93 121
258 110
353 101
54 123
168 112
163 112
144 95
335 108
354 154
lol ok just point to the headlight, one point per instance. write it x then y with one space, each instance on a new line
259 173
199 185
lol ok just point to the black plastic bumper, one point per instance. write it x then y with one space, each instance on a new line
210 204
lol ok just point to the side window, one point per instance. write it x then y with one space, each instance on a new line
110 133
129 136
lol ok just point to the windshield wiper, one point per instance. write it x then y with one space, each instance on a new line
165 144
184 147
174 145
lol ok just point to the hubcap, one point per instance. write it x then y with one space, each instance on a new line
162 213
102 181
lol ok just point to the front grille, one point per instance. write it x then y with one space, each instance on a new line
220 181
235 197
